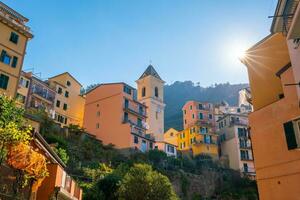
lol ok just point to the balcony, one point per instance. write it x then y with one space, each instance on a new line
136 110
45 93
246 158
238 122
245 146
205 123
248 170
203 142
15 19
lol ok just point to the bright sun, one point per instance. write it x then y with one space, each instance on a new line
238 51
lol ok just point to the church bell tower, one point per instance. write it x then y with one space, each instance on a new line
151 93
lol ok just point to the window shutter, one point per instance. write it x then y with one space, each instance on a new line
3 53
290 135
14 62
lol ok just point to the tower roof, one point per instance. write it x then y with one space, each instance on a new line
150 71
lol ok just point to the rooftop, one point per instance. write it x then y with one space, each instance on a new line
14 19
150 71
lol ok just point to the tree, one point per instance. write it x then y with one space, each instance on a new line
12 130
141 182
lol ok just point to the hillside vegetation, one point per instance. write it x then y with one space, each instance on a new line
106 173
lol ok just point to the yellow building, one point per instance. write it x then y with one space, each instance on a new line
69 104
14 35
198 140
23 88
171 136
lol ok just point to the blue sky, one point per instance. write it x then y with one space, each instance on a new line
114 40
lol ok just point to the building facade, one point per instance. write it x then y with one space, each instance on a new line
199 134
40 95
69 103
235 143
14 35
273 70
151 93
114 116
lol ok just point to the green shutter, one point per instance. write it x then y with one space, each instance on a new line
3 53
3 81
14 62
290 135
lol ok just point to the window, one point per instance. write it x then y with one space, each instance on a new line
184 111
136 140
59 90
210 116
191 140
4 81
191 107
171 149
203 130
151 145
126 103
14 62
292 130
14 38
127 89
200 115
98 114
244 155
97 105
23 82
5 58
65 106
238 110
242 132
171 134
20 98
143 92
66 94
139 122
58 103
66 120
185 121
125 117
97 126
200 106
156 91
156 115
68 83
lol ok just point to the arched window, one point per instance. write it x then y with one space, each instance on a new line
143 91
156 91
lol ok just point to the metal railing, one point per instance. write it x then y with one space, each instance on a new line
136 110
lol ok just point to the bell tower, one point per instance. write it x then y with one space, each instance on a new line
151 93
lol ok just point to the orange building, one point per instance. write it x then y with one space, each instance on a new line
114 116
58 184
273 67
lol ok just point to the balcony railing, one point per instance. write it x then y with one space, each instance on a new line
203 142
20 23
239 122
44 93
248 170
247 158
135 110
245 146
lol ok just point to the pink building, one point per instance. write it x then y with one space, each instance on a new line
198 113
